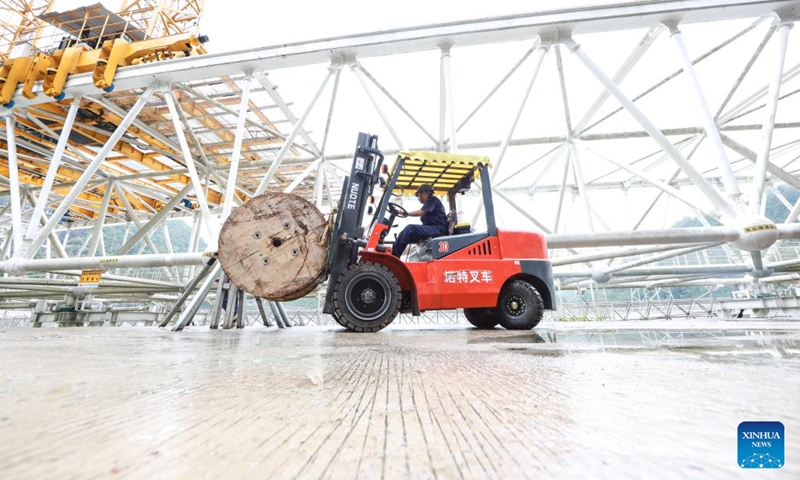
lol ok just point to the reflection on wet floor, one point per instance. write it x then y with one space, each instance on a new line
607 400
738 343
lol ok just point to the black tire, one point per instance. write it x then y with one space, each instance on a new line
366 297
481 317
337 319
520 306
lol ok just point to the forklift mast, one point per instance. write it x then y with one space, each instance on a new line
348 231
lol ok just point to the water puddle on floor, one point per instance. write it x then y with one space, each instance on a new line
712 343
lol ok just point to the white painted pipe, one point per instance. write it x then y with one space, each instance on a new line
19 266
788 231
643 237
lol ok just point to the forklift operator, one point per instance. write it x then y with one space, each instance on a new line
434 221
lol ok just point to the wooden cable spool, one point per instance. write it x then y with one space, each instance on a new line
275 247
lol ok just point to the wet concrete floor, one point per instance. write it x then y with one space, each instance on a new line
604 400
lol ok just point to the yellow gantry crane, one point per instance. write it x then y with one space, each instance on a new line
42 46
91 39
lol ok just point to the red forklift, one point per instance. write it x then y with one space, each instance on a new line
497 276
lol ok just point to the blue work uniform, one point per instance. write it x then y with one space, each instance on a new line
434 224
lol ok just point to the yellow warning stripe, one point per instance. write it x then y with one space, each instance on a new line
758 228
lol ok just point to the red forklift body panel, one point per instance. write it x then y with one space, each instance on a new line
471 277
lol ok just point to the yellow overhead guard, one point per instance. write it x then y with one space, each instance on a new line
440 170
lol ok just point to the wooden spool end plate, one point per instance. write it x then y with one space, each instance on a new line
273 247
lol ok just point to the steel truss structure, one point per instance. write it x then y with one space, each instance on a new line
605 125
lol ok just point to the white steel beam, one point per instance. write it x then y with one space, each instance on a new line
576 169
122 194
612 254
537 63
561 193
13 177
664 187
262 187
55 163
88 173
697 178
582 20
448 94
396 102
97 231
745 70
623 71
752 156
155 220
331 109
356 68
498 85
521 210
656 258
230 192
53 238
276 97
189 160
769 122
741 109
794 213
704 112
678 72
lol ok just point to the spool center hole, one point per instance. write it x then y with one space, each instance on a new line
277 242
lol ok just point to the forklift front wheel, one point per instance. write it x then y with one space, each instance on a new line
338 320
481 317
520 306
366 297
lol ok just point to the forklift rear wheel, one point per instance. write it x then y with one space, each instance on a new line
366 297
520 306
481 317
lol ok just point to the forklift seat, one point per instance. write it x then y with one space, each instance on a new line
452 218
422 252
454 227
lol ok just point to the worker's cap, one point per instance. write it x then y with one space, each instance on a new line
425 188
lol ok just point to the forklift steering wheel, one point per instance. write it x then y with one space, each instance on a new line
396 210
